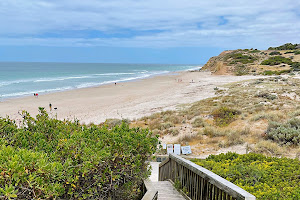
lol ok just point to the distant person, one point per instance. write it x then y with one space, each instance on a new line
33 94
115 83
50 106
36 95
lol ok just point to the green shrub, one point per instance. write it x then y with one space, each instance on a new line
224 115
264 177
239 57
266 96
276 60
287 46
26 172
285 133
268 72
274 53
84 162
296 66
288 52
254 51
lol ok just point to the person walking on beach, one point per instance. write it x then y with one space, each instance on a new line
50 106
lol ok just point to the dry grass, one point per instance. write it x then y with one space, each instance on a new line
271 116
268 148
198 122
234 138
255 100
212 131
188 137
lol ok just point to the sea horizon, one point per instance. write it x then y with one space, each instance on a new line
20 79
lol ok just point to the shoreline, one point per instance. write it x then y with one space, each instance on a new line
95 86
131 79
130 100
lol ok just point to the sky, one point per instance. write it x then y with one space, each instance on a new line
136 31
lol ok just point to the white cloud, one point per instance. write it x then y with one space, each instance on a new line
182 22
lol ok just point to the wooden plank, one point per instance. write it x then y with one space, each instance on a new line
214 179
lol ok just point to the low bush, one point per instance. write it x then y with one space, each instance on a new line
166 125
269 72
115 122
224 115
276 60
174 119
275 53
254 51
287 46
264 177
266 96
285 133
244 59
155 124
198 122
51 159
295 66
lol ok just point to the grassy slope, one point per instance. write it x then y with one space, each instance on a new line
241 62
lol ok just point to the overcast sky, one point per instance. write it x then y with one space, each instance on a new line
159 31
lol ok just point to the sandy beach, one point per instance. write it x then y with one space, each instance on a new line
124 100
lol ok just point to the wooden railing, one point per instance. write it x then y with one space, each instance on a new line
149 192
199 183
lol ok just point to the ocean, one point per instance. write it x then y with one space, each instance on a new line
18 79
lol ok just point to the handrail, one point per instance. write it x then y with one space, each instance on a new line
198 182
151 193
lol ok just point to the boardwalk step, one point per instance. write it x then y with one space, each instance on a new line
167 191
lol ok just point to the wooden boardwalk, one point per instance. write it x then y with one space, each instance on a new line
166 190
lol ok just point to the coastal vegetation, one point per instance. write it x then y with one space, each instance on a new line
287 46
275 61
264 177
47 158
262 115
241 58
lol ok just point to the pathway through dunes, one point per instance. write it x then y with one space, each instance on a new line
166 190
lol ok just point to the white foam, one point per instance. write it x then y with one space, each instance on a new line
26 93
93 84
6 83
114 74
194 68
80 77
